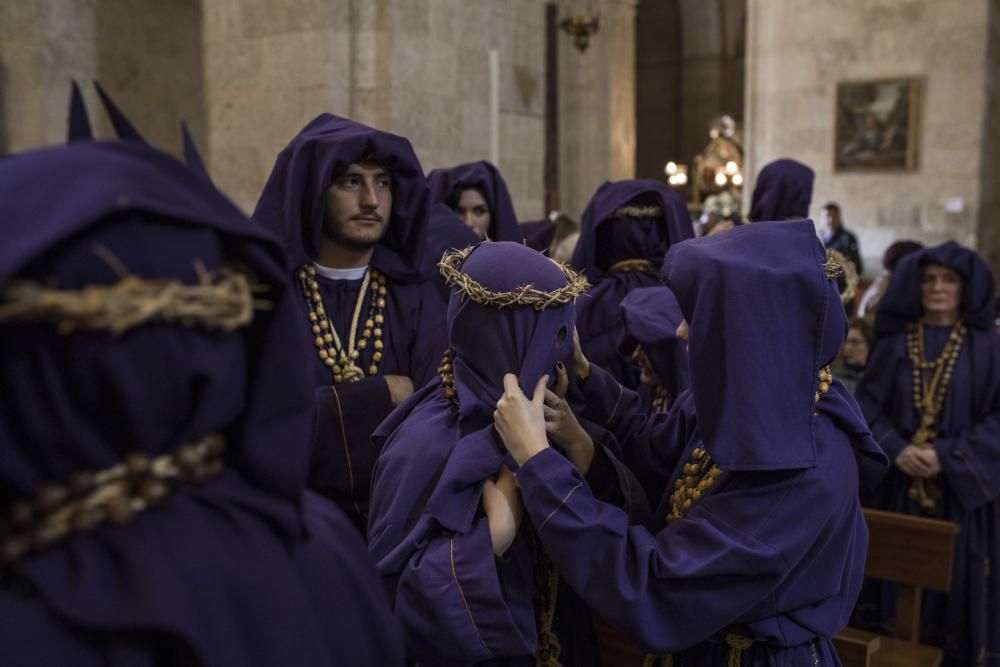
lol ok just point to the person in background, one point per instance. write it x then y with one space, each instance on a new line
836 237
651 316
478 195
870 299
783 192
628 227
719 212
854 353
931 394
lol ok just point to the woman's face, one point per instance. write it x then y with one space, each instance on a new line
474 211
855 349
941 290
646 373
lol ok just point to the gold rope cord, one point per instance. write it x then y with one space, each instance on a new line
525 295
220 300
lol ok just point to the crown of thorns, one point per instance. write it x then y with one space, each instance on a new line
525 295
221 300
835 266
650 211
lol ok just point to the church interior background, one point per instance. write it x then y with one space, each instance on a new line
660 87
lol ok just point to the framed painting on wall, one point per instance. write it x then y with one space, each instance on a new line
876 124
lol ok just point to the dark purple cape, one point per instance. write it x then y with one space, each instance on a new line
783 190
538 234
776 554
487 178
651 316
965 622
293 205
599 320
431 542
183 581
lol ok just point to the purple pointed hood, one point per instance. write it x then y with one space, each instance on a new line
487 178
903 301
633 238
293 207
783 190
764 319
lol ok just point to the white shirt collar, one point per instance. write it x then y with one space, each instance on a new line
340 274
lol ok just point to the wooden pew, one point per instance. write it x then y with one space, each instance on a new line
916 554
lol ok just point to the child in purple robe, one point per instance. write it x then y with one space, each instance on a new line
627 228
931 394
349 203
760 552
470 582
156 433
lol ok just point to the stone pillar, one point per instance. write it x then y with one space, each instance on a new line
989 205
597 105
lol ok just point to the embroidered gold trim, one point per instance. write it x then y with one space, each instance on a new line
220 300
651 211
525 295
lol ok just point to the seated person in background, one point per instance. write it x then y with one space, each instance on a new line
627 229
854 354
349 203
478 195
931 394
836 237
870 299
762 546
155 449
470 581
783 192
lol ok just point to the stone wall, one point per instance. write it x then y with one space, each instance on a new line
797 51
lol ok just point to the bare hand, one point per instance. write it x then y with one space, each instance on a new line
930 458
562 426
912 463
520 422
503 507
400 388
581 365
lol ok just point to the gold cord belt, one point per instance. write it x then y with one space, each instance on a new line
114 494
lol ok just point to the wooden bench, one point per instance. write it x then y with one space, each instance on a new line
916 554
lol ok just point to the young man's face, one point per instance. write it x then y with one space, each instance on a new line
358 206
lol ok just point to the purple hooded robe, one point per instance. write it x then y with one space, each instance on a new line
486 178
606 240
783 191
966 621
241 570
292 205
458 603
775 550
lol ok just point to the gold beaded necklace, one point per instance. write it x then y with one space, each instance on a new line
660 399
930 386
701 474
340 359
447 377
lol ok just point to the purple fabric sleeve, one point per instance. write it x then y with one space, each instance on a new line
343 454
451 589
875 390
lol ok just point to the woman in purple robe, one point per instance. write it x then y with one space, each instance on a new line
760 556
783 191
156 433
478 195
470 583
931 394
627 228
376 326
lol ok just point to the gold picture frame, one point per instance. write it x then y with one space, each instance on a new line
876 124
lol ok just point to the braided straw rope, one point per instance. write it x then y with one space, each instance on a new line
222 300
525 295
